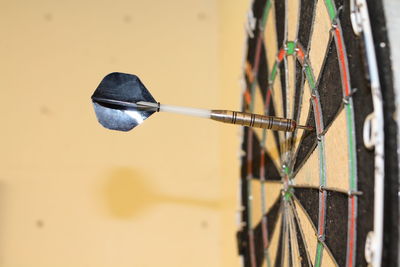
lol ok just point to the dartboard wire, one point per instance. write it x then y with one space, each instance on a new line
321 158
334 189
348 101
290 51
250 135
298 53
285 241
287 135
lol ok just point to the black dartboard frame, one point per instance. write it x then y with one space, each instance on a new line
308 197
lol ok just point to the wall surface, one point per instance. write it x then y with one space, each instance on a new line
75 194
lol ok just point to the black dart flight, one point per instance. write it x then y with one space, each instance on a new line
115 101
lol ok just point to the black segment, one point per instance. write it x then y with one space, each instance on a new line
258 9
307 144
243 242
309 198
263 74
336 224
299 86
280 250
251 46
280 22
330 87
306 18
271 172
259 245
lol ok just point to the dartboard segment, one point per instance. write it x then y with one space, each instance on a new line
252 162
329 89
270 35
306 17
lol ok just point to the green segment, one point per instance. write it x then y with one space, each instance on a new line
286 170
264 137
352 156
321 151
273 72
265 14
263 206
331 8
318 256
290 48
267 258
288 195
310 77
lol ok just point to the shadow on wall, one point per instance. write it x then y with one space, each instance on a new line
127 194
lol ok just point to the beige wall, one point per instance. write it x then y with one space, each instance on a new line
75 194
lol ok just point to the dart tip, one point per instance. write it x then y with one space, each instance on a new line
307 128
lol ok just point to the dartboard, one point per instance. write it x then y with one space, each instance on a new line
307 197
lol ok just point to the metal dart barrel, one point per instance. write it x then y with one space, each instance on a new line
255 120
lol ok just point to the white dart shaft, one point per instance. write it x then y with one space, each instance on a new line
204 113
197 112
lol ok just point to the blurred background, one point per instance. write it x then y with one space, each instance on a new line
75 194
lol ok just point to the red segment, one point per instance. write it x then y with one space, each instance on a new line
300 53
317 115
252 250
281 54
267 101
351 234
247 97
342 61
265 232
321 214
249 152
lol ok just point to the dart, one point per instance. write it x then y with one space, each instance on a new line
121 102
